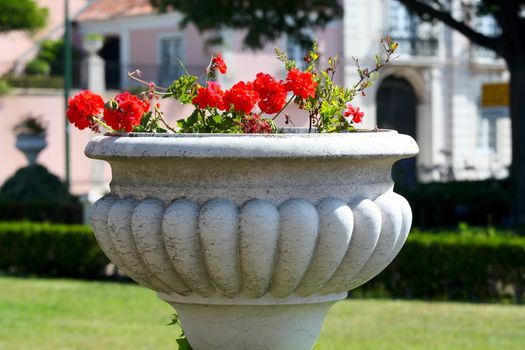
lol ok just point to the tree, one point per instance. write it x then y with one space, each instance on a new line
263 20
510 45
21 14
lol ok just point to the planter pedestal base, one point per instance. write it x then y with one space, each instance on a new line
244 323
245 327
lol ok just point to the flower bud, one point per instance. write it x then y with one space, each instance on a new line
111 105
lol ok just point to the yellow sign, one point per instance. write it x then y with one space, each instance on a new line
495 95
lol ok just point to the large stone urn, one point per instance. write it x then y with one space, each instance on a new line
252 238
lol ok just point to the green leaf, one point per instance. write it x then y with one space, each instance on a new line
183 89
183 344
217 118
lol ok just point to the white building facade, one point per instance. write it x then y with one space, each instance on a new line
432 90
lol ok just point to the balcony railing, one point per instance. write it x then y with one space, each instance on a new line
482 53
115 75
415 46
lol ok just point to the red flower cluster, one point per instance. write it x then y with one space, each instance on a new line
254 124
271 92
83 107
242 97
128 112
210 96
218 63
354 112
301 83
265 91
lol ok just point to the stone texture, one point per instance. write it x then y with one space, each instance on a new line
252 238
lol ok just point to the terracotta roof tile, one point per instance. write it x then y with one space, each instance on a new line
101 10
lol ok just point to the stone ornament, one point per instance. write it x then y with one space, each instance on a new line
252 238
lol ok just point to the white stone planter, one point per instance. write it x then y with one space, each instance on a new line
31 145
252 238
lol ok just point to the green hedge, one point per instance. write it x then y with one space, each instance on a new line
469 265
50 250
456 266
35 81
440 204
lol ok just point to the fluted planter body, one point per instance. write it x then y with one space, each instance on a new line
252 237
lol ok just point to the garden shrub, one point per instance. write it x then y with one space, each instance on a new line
33 193
5 88
451 266
37 67
50 250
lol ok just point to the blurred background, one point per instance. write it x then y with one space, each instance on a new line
455 85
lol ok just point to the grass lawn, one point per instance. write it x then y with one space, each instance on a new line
43 314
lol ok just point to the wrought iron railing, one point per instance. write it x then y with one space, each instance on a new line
115 75
415 46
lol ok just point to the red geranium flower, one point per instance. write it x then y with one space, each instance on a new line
83 107
242 96
210 96
354 112
218 63
254 124
128 112
271 92
301 83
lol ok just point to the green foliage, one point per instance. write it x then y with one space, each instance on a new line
149 123
283 57
50 249
474 266
199 122
31 125
183 89
37 67
5 88
264 21
35 182
52 52
21 14
447 204
33 193
327 107
35 81
182 341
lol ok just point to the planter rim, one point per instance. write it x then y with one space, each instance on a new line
248 146
32 135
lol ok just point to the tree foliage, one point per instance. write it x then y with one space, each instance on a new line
263 20
21 14
509 16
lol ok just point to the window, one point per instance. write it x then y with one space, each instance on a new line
415 37
170 51
296 52
400 23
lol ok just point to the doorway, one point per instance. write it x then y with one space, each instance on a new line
396 103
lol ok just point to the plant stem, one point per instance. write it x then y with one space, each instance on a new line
99 121
182 65
132 76
282 109
161 117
